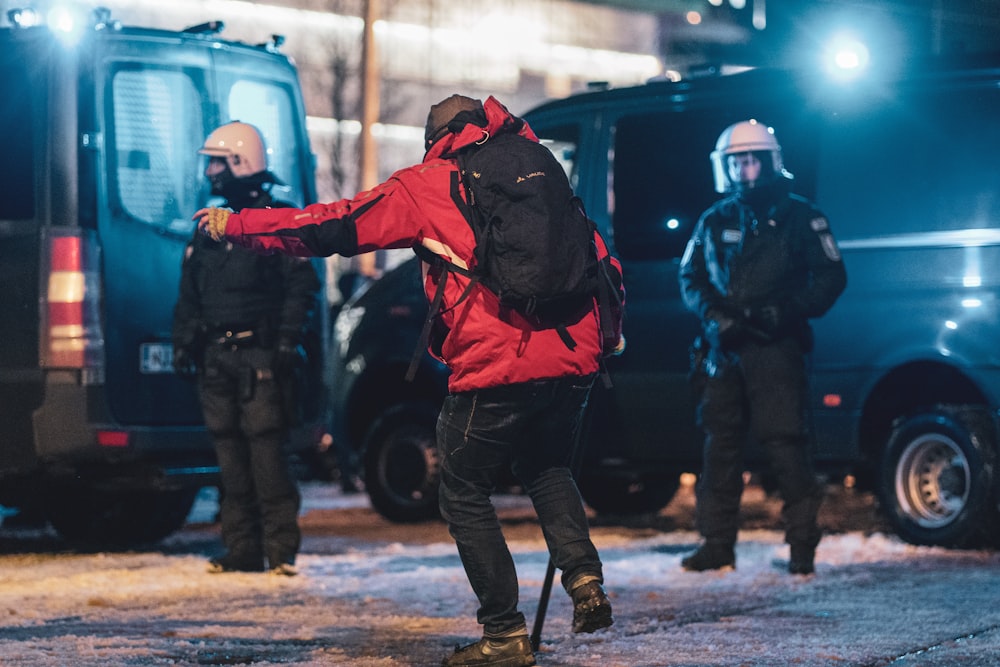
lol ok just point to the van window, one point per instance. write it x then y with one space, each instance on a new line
159 125
17 164
918 143
154 136
659 191
268 107
662 172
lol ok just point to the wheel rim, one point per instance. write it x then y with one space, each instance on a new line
933 479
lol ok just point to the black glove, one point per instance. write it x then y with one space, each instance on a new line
287 356
772 321
725 330
185 363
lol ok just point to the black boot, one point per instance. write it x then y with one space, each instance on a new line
711 556
236 563
591 607
801 561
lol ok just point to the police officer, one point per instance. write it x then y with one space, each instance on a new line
760 263
238 324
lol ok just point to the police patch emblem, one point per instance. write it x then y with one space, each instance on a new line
830 248
819 224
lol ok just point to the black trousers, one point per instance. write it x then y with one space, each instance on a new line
531 429
759 394
243 410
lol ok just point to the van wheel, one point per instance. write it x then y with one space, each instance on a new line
938 476
628 494
401 464
121 519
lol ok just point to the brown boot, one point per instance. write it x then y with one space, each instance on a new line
591 607
501 652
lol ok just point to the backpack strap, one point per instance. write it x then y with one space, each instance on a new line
605 293
466 206
446 267
434 309
565 336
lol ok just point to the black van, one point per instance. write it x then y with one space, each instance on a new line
101 175
905 378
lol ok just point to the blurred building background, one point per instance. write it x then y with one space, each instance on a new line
528 51
522 51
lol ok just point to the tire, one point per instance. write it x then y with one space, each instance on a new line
938 478
401 464
628 494
94 517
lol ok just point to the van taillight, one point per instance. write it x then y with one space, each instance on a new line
113 438
71 332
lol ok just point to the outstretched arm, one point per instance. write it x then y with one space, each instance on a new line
387 216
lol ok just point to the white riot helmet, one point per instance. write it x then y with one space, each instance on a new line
747 136
242 147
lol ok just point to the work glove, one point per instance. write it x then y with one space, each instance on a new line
287 356
213 221
185 363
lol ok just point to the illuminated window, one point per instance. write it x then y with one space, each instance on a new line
155 134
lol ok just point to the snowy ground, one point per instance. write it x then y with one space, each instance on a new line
374 594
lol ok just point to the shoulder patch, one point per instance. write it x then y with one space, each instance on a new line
819 224
830 248
731 235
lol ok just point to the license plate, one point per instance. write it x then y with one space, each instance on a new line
156 358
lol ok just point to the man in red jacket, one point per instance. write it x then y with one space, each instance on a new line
517 393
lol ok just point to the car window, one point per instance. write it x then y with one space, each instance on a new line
662 175
662 181
268 106
563 141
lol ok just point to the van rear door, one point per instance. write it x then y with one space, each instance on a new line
23 63
156 102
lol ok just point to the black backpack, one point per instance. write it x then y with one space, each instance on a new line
535 244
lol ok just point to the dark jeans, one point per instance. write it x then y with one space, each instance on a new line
243 411
530 428
762 396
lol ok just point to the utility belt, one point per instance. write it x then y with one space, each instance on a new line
241 338
242 334
235 336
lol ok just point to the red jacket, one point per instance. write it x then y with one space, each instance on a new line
414 206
